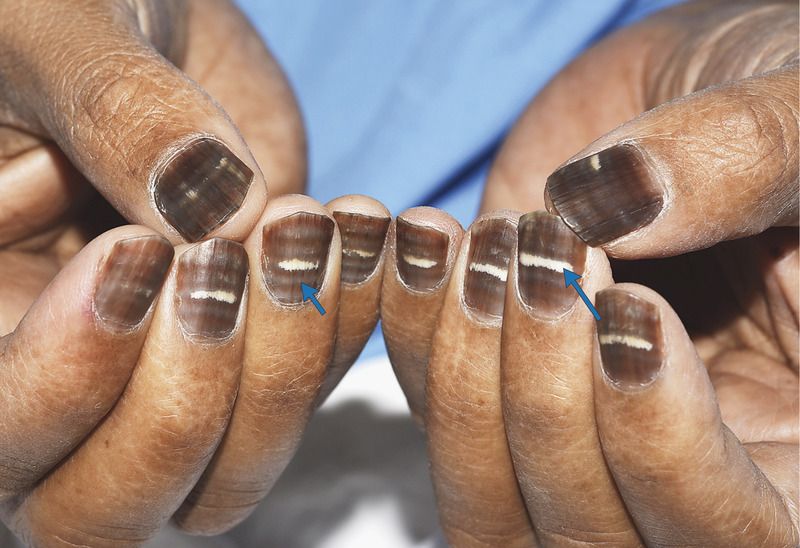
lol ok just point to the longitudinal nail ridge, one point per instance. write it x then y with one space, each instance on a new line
362 244
130 278
210 285
631 342
606 195
546 246
295 251
491 247
201 187
421 255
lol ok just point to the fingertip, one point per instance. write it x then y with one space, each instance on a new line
363 223
675 462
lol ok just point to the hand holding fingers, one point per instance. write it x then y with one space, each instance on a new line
69 359
716 157
144 458
684 476
154 142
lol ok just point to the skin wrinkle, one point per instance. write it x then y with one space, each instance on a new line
132 132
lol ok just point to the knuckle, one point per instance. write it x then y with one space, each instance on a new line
120 104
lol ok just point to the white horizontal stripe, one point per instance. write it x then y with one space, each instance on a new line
359 253
297 264
217 295
527 259
490 269
419 262
628 340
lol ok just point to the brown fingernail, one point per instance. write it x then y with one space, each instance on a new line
210 284
421 255
201 187
491 246
294 252
606 195
629 333
130 279
362 243
546 247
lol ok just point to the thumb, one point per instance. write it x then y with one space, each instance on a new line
87 75
715 165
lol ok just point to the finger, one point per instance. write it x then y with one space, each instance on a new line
67 362
38 188
422 246
362 223
477 495
780 463
288 347
684 476
123 483
150 139
546 381
262 105
672 181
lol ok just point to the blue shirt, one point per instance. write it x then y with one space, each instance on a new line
407 100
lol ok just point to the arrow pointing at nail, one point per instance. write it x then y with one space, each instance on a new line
310 294
571 279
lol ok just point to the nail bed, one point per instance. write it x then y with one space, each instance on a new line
201 187
629 333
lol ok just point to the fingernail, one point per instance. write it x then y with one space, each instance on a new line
294 252
606 195
421 255
491 246
546 247
201 187
130 279
209 286
362 243
629 333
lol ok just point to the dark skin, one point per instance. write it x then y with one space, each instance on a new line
729 158
72 369
749 349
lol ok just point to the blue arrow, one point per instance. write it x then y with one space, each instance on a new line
571 279
310 294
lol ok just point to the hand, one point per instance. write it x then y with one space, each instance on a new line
122 406
532 437
132 94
